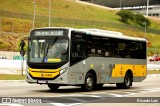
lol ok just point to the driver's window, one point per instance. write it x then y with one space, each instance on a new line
78 48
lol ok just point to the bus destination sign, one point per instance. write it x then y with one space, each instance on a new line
49 33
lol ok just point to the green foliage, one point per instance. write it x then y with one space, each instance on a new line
11 77
142 21
125 15
20 26
5 46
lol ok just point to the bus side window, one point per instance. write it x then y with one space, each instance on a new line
78 49
74 49
133 49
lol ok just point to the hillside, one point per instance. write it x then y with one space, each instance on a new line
16 18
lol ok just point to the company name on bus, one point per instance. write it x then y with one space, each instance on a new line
49 33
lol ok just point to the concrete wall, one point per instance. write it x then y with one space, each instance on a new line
8 55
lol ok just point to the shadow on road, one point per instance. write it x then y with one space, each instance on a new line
76 90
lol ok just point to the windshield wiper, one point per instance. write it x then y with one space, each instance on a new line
49 44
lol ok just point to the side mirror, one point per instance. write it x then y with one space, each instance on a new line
22 45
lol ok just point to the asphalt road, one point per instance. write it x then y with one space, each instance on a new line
70 96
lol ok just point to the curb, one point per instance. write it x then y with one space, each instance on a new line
22 81
156 75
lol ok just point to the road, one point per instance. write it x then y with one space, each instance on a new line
69 96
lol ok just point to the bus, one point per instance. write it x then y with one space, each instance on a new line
89 58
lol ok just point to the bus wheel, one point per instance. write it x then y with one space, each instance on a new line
89 82
127 82
53 87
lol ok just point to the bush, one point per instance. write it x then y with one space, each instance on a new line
141 20
125 15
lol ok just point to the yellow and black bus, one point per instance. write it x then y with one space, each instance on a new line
88 58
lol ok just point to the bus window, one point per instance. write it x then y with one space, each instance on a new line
142 50
133 49
78 49
94 46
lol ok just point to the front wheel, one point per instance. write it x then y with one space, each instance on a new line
127 82
53 87
89 82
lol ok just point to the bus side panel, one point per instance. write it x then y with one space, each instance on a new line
97 64
76 73
137 66
108 70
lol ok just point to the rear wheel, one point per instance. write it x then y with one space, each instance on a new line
127 82
89 82
53 87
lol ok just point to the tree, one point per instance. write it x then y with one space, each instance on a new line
141 20
125 15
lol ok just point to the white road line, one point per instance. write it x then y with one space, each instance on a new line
128 92
58 104
79 100
74 104
115 95
11 104
61 104
96 93
94 96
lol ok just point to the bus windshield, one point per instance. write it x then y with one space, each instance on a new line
52 50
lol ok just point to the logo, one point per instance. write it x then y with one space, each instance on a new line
45 60
6 100
42 75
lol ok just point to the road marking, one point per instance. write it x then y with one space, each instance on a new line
115 95
58 104
61 104
11 104
79 100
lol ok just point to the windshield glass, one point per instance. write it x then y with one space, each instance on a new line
48 50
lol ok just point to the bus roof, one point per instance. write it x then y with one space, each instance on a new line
99 32
111 34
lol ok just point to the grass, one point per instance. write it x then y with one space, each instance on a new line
18 19
60 8
12 77
153 72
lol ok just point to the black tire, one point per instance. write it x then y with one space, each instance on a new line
53 87
89 82
127 82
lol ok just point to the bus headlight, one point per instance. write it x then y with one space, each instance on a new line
63 71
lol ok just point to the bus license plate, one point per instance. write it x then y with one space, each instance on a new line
41 81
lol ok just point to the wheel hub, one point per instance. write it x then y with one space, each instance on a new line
89 82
